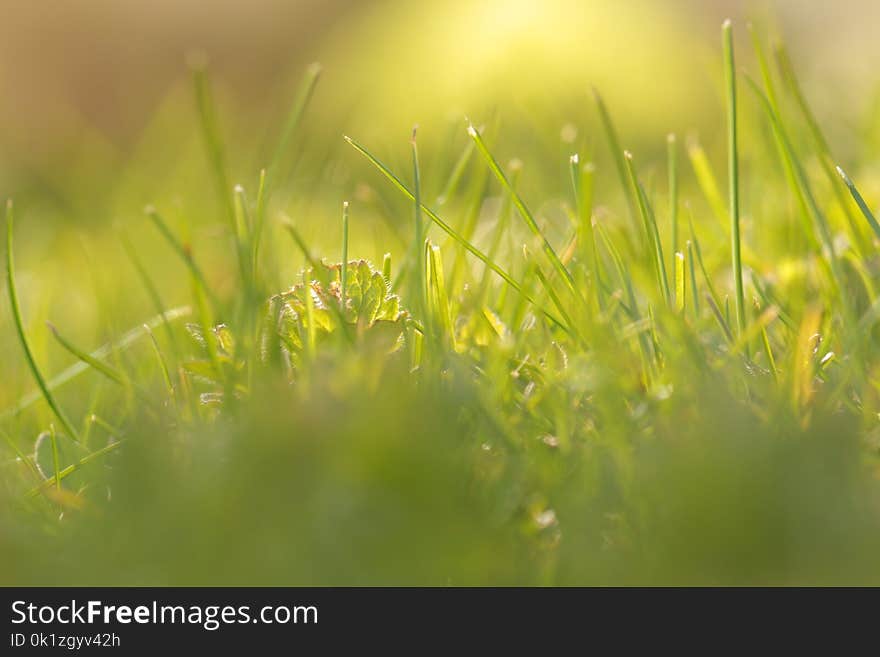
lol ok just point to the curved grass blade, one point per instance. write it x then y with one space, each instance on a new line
449 230
672 170
825 158
104 350
733 173
649 224
88 359
22 337
294 116
152 291
70 469
857 197
183 251
616 152
211 136
418 248
526 214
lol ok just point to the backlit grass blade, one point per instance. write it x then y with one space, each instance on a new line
343 272
152 291
672 171
524 212
19 329
88 359
791 177
455 176
449 230
857 197
821 144
70 469
163 364
418 248
695 295
649 223
707 182
699 253
386 268
439 296
126 340
183 251
294 116
617 153
733 174
54 438
680 282
582 179
211 136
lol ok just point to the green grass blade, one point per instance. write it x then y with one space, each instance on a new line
417 286
69 470
733 174
821 144
211 136
456 175
19 328
294 116
163 364
695 295
525 213
857 197
672 169
152 291
707 182
617 154
439 296
449 230
183 251
680 282
127 339
649 224
343 273
54 438
105 369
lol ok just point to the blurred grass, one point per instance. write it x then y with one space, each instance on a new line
644 444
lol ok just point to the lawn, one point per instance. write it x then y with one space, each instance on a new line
500 348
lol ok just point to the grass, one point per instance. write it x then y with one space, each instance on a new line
529 393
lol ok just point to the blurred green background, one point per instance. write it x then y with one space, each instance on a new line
98 120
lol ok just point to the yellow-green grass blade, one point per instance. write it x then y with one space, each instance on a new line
524 211
449 230
22 337
126 340
860 201
733 173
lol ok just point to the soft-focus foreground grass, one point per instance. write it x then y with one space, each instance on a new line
583 365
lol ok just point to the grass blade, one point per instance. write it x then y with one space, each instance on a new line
733 174
88 359
294 116
343 273
418 249
672 167
617 154
211 136
857 197
680 282
19 328
183 251
523 210
649 224
449 230
127 339
70 469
